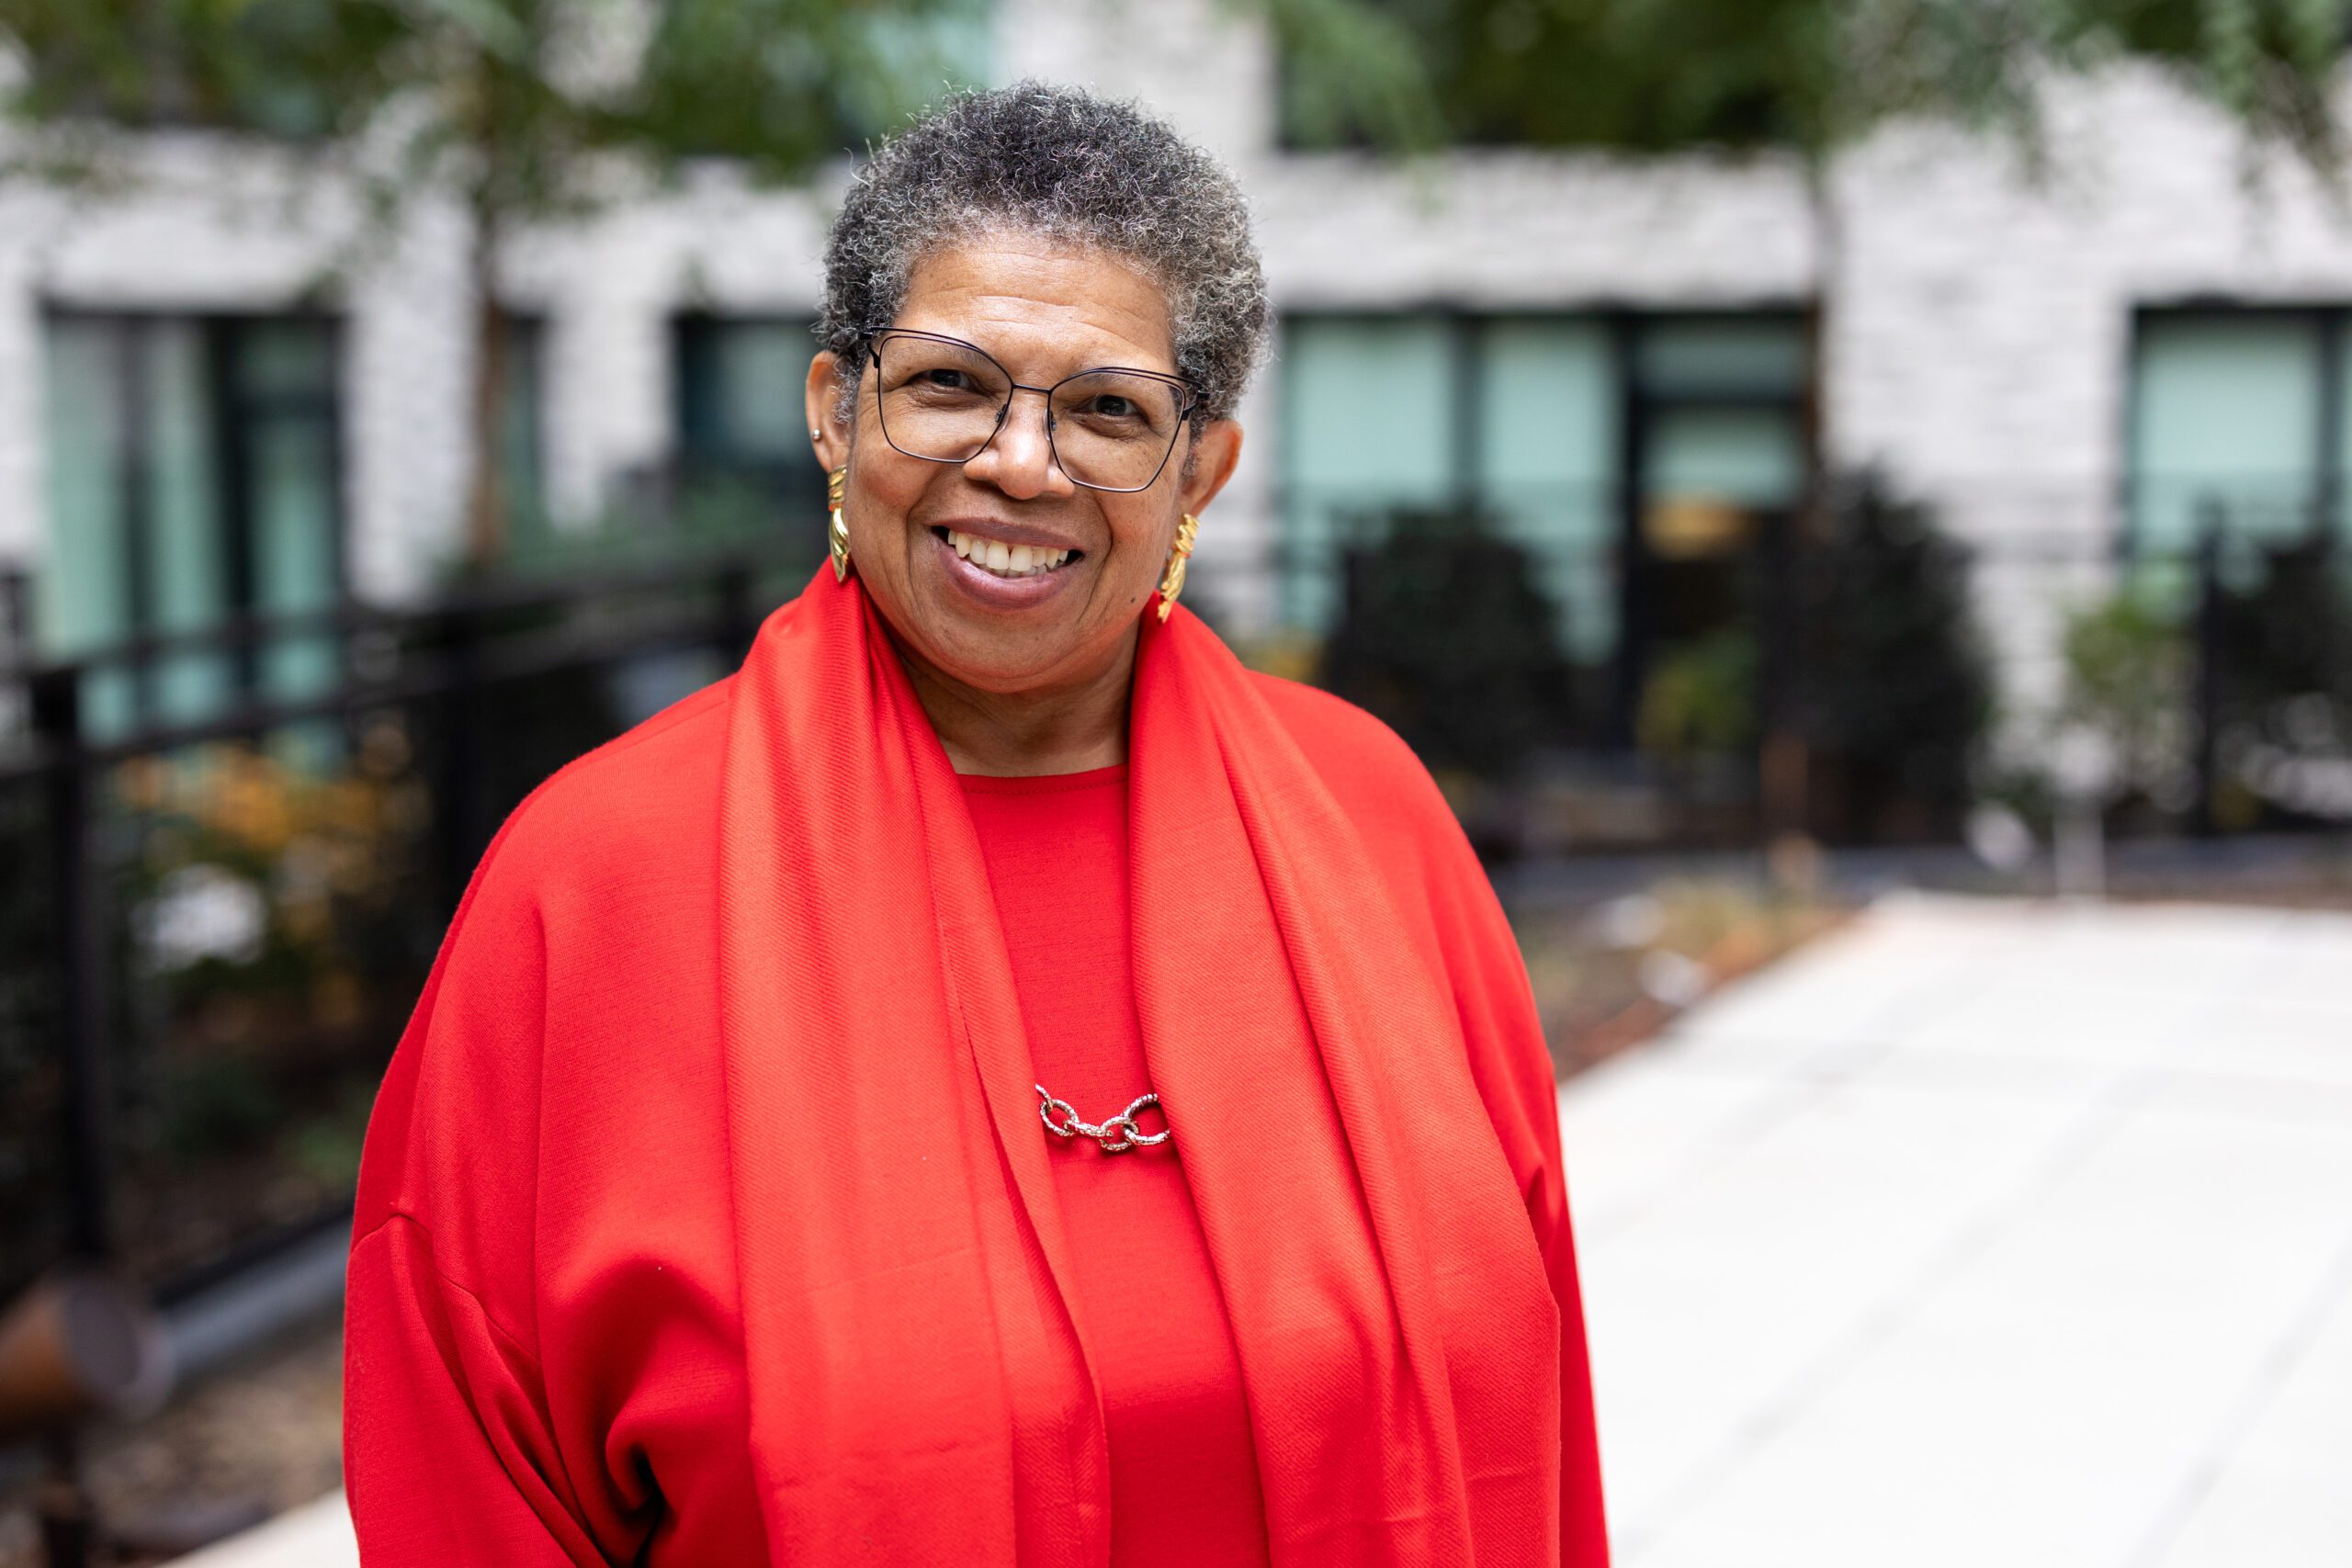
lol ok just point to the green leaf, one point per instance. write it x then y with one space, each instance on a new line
489 26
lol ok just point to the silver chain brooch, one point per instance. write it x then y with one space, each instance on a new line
1118 1135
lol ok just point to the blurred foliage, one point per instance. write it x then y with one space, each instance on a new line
1862 643
2285 634
317 848
526 92
1442 633
1664 75
2270 63
1699 699
2256 637
1806 75
702 514
2279 638
265 920
510 101
273 916
1892 688
1363 71
2129 687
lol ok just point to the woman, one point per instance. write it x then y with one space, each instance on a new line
737 1194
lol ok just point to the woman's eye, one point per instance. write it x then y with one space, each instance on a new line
945 378
1111 406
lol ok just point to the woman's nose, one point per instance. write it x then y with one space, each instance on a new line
1019 461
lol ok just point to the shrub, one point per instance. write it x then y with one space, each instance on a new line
1443 634
1889 685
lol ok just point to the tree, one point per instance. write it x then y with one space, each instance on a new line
1809 76
529 111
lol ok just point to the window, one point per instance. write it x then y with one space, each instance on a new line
192 476
2241 420
1638 460
744 462
522 433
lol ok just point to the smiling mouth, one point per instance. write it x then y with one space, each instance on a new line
999 559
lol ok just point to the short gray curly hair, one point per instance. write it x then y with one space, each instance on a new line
1065 164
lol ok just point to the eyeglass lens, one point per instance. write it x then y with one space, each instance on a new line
1110 429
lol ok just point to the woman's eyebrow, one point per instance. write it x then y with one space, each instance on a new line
1077 368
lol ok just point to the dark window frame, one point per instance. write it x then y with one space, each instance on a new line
2331 322
698 452
232 406
527 331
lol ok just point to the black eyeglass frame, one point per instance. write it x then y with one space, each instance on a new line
873 345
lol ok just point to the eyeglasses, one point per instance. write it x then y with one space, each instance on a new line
944 399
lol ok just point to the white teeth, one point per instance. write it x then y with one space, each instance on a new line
1005 560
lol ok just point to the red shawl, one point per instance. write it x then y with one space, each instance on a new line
1385 1222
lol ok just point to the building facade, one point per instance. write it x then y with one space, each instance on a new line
222 387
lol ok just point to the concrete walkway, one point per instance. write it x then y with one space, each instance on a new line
1985 1233
315 1536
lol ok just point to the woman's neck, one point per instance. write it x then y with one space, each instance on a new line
1058 729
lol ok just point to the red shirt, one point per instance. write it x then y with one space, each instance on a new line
1183 1473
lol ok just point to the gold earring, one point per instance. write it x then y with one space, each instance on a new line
1171 581
837 533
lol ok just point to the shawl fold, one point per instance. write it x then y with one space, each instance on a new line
919 1388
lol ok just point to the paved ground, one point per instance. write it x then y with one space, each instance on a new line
1985 1233
1979 1232
318 1535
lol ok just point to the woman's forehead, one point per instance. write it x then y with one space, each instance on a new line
1039 305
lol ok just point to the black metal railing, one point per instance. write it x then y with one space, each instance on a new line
1689 674
216 923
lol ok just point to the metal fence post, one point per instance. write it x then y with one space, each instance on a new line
68 788
1781 761
458 823
2208 676
738 621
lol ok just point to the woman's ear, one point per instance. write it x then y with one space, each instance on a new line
1209 463
823 397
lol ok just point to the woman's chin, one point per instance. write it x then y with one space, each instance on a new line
991 650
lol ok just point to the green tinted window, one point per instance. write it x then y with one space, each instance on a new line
1746 457
744 462
1721 356
1372 409
1370 431
190 542
191 477
1525 418
1549 436
2225 426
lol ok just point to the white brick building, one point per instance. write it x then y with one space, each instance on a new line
1631 334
